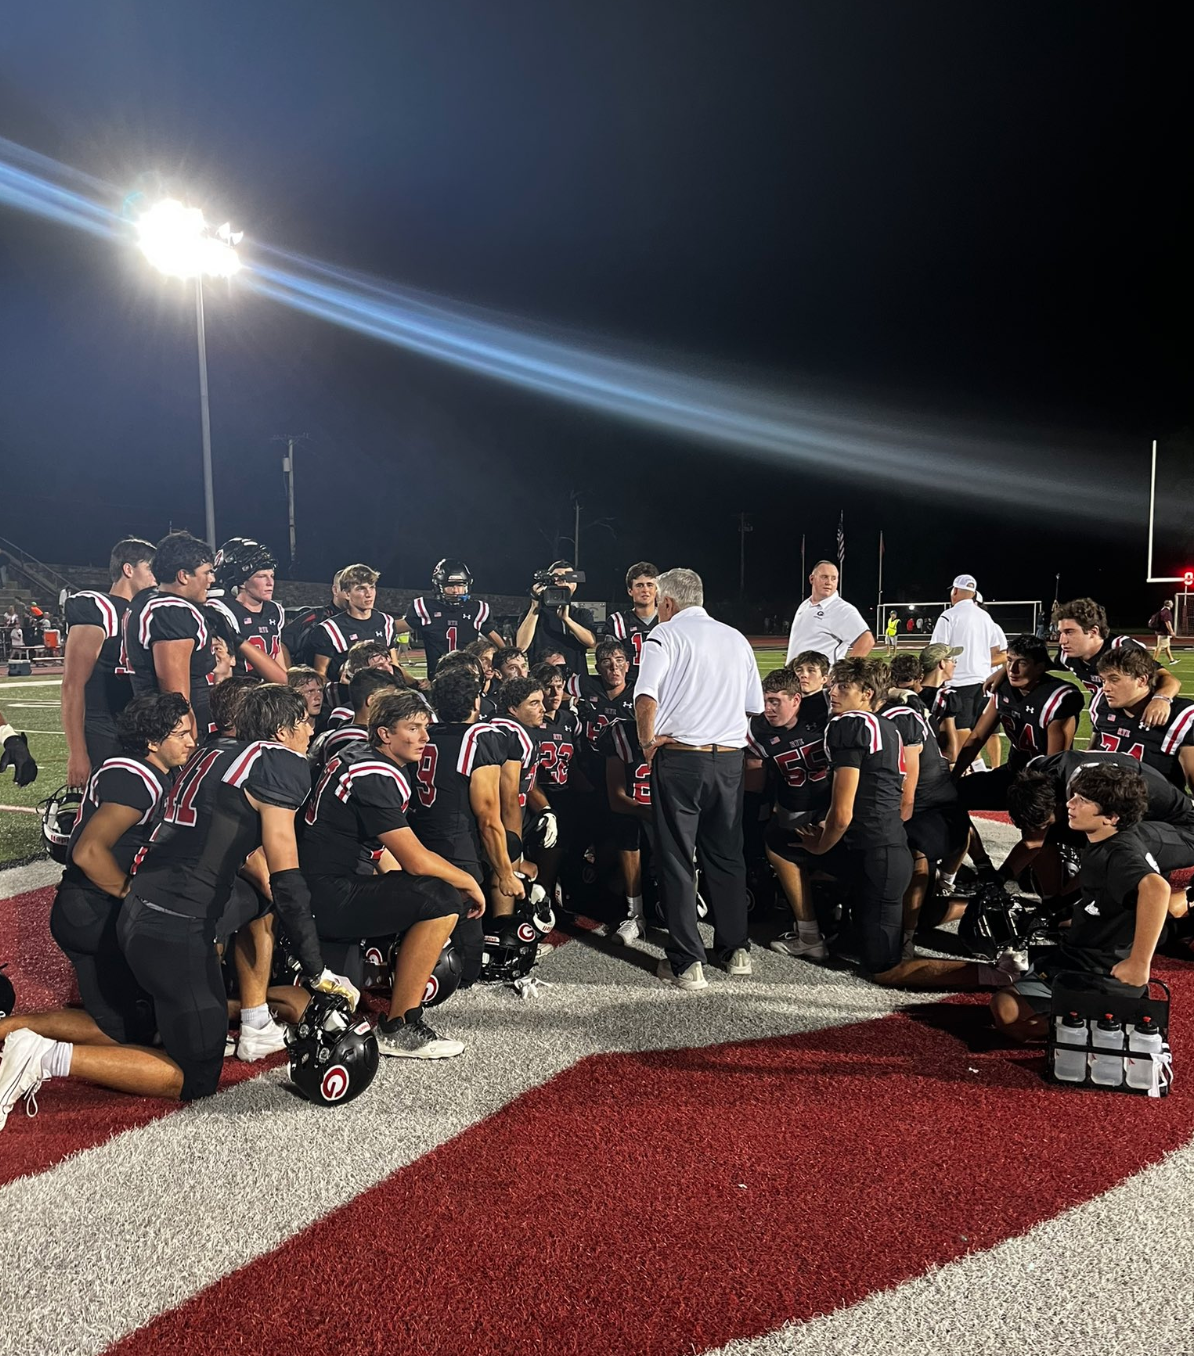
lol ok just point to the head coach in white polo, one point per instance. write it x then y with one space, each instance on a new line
698 683
826 623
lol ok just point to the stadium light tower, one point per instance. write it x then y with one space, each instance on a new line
179 243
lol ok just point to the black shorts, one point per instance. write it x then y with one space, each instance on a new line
970 701
348 907
83 923
939 831
626 832
99 734
782 839
878 877
985 790
1036 986
174 960
244 905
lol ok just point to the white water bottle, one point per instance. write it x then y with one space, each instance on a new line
1145 1039
1108 1069
1069 1048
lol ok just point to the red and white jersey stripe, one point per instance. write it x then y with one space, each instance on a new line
421 611
337 636
165 600
343 788
153 786
872 724
1049 711
468 746
1178 730
526 743
107 610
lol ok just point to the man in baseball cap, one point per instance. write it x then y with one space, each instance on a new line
968 631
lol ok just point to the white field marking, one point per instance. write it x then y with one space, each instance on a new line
29 705
9 683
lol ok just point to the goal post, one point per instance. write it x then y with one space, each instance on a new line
1015 616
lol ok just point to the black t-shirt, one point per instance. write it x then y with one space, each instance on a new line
239 625
620 741
108 691
934 785
1103 923
631 630
1086 669
442 812
208 827
446 625
338 634
124 780
1166 804
1026 716
796 757
1159 747
862 740
360 795
522 743
559 738
551 634
155 617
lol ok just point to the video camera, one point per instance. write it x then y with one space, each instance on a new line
551 582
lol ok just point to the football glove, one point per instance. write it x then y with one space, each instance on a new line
549 827
17 756
327 982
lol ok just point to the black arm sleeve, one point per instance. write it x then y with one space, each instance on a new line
292 904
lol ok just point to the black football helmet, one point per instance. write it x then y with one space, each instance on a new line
995 921
536 909
8 998
332 1057
58 815
445 978
450 571
377 954
239 558
509 948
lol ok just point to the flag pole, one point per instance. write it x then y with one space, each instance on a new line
879 603
803 571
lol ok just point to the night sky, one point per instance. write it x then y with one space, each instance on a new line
977 213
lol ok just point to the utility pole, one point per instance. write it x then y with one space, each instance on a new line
288 472
576 530
744 526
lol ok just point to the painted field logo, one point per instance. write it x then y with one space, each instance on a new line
334 1083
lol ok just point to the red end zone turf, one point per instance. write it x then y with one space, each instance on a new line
657 1203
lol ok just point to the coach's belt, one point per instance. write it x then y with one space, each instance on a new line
703 748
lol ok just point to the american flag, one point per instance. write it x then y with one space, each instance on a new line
841 547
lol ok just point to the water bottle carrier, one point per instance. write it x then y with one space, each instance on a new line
1081 994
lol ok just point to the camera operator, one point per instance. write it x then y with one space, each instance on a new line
552 623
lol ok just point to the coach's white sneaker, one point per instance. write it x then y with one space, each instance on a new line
790 944
629 930
738 962
256 1042
20 1071
691 978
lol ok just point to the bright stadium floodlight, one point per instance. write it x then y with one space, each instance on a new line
179 243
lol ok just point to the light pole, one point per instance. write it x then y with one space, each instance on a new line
178 242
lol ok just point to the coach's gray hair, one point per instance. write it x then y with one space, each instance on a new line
683 587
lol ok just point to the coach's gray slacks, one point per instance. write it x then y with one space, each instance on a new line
696 802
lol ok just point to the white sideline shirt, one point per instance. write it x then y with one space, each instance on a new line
967 625
829 627
703 675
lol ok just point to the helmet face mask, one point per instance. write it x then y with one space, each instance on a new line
238 560
450 571
509 950
333 1056
59 814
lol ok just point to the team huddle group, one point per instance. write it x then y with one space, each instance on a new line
259 808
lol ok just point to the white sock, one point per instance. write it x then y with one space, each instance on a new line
947 878
257 1017
55 1063
808 932
635 904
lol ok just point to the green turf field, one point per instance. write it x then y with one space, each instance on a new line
31 704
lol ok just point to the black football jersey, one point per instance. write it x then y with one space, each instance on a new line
154 617
331 742
941 704
862 740
126 780
1121 732
360 795
208 827
1103 923
445 626
631 630
620 740
559 738
1166 804
521 743
934 785
1086 670
240 625
1026 716
338 634
108 691
298 635
595 707
442 812
797 762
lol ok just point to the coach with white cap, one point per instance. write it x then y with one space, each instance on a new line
981 642
697 685
826 623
